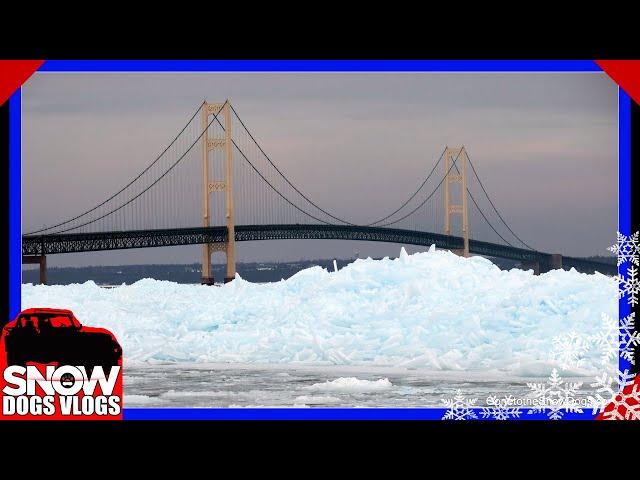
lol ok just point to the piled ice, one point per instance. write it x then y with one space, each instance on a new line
432 310
351 384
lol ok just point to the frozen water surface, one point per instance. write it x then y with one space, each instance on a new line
433 322
225 385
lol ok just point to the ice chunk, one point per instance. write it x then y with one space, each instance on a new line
431 310
138 400
351 385
316 400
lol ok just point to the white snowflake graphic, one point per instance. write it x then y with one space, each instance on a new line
555 397
626 248
459 408
609 389
605 340
616 338
628 285
500 412
627 337
569 349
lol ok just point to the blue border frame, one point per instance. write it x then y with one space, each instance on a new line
15 207
15 214
320 66
624 191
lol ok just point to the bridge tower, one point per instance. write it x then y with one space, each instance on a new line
456 175
218 186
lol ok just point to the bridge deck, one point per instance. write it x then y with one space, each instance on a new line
119 240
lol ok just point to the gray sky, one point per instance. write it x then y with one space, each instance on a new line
545 144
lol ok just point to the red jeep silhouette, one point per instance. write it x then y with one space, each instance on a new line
49 335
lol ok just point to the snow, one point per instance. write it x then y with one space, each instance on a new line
432 310
351 385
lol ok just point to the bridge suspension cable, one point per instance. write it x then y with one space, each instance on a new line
453 164
480 210
123 188
280 172
494 207
311 201
428 197
240 150
414 193
285 178
148 187
487 220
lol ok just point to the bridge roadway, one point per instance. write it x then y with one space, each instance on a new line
41 245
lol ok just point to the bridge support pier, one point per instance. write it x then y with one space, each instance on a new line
37 259
460 252
460 158
554 262
211 142
531 265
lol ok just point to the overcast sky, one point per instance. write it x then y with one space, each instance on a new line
545 145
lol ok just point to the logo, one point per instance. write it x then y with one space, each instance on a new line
60 391
67 380
53 367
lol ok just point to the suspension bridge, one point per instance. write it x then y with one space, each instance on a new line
215 185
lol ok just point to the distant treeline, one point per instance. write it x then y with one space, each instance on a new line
612 260
117 275
251 271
